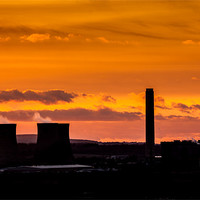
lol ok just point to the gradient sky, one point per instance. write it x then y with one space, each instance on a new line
88 62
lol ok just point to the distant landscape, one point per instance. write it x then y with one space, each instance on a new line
32 139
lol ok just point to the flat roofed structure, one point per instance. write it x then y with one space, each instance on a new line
8 143
53 144
180 154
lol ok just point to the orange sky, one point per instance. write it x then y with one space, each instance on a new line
106 52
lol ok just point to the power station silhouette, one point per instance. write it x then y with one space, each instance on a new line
53 143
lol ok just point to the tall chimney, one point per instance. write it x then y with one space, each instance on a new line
149 123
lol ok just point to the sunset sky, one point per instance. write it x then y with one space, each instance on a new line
89 62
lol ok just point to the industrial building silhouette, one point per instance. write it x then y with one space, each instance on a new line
53 144
180 154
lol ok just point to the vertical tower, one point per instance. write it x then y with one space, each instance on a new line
149 123
8 143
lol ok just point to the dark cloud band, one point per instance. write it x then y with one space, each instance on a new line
45 97
78 114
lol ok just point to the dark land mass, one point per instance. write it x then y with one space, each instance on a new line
117 171
135 182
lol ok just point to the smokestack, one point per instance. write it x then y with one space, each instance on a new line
53 145
149 123
8 144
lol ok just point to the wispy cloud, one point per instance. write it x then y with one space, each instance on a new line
35 37
185 108
37 117
160 103
182 107
106 41
176 117
4 120
190 42
4 39
108 98
194 78
59 38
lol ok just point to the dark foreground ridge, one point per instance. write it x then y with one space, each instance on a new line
139 183
105 170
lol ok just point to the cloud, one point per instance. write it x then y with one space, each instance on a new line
160 103
175 117
106 41
160 117
26 31
38 118
4 39
195 78
77 114
35 37
109 99
182 107
102 39
182 117
59 38
163 107
9 30
111 29
103 114
195 106
4 120
45 97
159 99
190 42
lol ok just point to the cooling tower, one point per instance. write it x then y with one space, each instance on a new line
8 144
64 141
149 123
53 145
